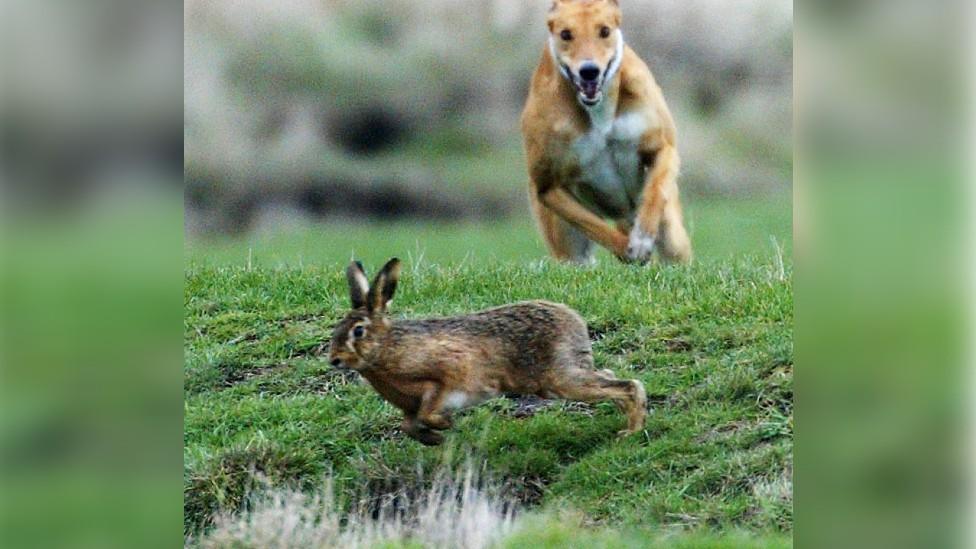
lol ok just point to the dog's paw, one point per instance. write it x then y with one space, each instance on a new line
640 245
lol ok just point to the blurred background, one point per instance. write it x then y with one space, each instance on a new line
91 187
305 112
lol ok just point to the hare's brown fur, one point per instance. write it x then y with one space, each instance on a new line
430 368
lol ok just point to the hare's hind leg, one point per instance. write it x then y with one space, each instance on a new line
590 386
608 374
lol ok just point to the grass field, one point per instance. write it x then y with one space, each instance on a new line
720 229
712 342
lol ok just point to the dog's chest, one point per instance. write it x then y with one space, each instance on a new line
607 173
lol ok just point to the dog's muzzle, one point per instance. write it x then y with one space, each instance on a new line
588 83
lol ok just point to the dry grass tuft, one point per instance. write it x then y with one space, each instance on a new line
458 510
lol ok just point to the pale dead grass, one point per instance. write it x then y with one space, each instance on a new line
458 510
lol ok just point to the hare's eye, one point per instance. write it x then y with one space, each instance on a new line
566 35
605 32
358 331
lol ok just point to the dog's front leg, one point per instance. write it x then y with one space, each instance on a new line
659 196
596 229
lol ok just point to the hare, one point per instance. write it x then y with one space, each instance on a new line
430 368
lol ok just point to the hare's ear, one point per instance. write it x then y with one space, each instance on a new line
358 284
384 285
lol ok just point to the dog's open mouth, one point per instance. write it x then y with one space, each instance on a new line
589 92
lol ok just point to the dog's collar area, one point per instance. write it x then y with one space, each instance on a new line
618 55
563 68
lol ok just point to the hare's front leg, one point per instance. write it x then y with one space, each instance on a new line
420 432
431 412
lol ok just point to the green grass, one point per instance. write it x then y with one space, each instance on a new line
720 229
561 531
712 342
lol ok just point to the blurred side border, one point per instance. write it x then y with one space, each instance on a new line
91 305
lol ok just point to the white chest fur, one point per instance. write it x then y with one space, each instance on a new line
456 400
610 177
459 400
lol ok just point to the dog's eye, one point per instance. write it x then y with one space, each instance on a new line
566 35
605 32
358 331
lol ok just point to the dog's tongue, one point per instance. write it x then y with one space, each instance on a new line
590 90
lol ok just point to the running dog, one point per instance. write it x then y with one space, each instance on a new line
600 143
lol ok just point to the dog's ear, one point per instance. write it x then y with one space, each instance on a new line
384 286
616 16
555 4
550 21
358 284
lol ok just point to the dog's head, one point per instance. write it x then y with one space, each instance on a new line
586 44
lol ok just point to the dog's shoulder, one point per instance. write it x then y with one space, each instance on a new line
636 78
638 88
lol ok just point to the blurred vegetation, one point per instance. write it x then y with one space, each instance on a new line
367 109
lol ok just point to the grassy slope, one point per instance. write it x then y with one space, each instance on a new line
712 342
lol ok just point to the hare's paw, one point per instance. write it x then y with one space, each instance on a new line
428 437
633 427
436 421
420 432
640 245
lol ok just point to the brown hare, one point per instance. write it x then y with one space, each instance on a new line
430 368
